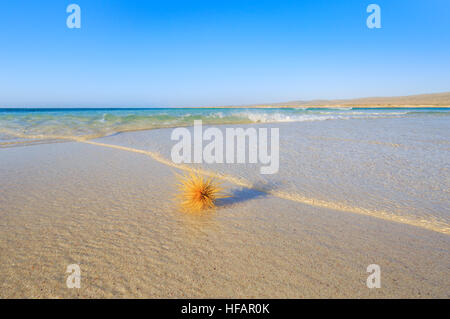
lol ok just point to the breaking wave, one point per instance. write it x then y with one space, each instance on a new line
18 124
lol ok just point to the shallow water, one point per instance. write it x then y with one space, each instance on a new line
348 193
387 163
392 168
17 125
109 210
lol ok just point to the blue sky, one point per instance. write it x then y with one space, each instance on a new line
200 53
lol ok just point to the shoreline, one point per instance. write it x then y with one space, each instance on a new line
104 209
107 205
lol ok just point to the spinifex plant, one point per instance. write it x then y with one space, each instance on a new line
197 192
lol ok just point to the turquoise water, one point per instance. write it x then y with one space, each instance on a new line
49 124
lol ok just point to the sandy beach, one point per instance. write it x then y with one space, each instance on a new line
110 210
201 150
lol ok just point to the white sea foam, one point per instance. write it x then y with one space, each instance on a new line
95 123
279 117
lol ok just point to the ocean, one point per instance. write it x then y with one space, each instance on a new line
17 125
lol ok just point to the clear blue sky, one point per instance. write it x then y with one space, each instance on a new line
197 53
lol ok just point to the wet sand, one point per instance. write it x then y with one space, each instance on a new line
111 212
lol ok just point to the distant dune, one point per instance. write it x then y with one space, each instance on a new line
423 100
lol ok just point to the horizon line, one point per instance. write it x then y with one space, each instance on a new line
300 104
